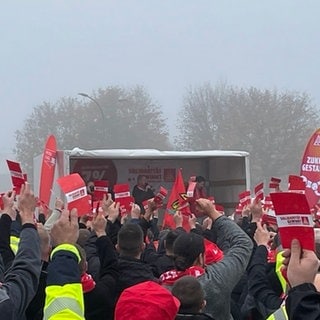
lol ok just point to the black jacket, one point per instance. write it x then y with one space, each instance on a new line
99 303
195 316
141 195
132 271
266 298
303 302
21 279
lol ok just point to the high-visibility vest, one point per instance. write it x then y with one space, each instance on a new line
14 244
64 301
283 281
280 314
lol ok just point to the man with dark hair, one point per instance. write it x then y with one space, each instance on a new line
191 296
131 268
217 279
162 260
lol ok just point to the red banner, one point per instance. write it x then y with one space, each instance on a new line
310 169
177 201
47 170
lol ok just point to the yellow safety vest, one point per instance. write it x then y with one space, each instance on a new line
283 282
14 244
280 314
64 301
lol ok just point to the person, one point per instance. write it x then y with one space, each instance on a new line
145 301
20 282
64 296
191 296
262 290
162 261
199 190
198 193
303 301
218 279
99 296
142 191
132 270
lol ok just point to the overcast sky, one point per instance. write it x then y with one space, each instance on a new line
51 49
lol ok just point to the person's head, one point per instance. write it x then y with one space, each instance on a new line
145 301
188 250
84 235
169 240
200 182
190 294
142 180
130 240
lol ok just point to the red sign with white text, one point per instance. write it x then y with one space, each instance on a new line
17 176
75 191
101 188
310 169
122 195
294 219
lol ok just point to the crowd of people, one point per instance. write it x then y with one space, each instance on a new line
56 265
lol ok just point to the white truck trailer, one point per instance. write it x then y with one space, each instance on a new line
227 172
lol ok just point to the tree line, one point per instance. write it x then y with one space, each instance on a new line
273 126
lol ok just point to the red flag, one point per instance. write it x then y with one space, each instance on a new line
17 176
310 169
47 170
177 201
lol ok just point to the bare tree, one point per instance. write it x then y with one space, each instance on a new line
128 118
273 126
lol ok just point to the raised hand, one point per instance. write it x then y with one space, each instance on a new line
113 211
26 204
99 224
66 229
8 204
192 221
302 265
207 207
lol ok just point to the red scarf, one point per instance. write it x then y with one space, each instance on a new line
170 277
87 282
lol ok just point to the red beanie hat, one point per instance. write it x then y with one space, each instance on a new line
145 301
